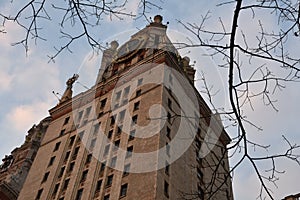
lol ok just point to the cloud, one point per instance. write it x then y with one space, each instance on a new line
5 81
245 187
24 116
35 80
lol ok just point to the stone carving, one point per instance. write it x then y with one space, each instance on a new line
6 162
68 92
107 58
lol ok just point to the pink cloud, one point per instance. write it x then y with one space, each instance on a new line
23 117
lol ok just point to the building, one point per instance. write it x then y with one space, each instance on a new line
16 166
141 132
292 197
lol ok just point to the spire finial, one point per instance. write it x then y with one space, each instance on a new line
158 19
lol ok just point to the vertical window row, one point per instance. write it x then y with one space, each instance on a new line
121 97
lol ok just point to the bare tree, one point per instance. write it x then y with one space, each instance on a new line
270 65
257 68
73 15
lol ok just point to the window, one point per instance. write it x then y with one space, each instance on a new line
67 156
129 151
66 120
140 81
106 150
112 120
102 103
198 130
61 172
79 194
123 191
138 93
166 189
39 194
85 121
167 168
98 186
88 158
56 146
116 106
125 101
87 112
71 167
168 149
110 133
80 136
169 103
109 180
126 169
75 153
66 183
169 117
62 132
106 197
52 159
119 129
113 161
96 129
170 79
72 139
102 166
134 120
132 134
45 177
93 142
55 189
118 95
126 92
168 133
125 95
84 175
136 106
79 117
122 115
100 114
198 143
117 144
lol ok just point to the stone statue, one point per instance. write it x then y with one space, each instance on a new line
68 92
6 162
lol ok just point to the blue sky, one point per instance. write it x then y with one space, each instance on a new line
27 82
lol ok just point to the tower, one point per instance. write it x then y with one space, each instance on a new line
141 132
16 166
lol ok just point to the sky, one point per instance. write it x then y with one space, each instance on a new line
27 82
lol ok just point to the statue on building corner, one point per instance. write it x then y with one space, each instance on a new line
68 92
6 162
